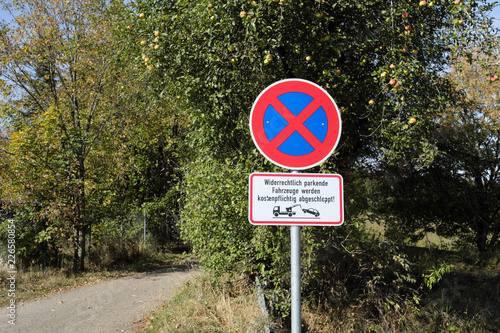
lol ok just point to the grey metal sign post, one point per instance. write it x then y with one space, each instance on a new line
295 276
296 125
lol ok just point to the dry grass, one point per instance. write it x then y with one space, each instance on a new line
431 239
206 305
36 282
465 300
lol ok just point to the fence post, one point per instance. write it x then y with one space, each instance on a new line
144 228
121 232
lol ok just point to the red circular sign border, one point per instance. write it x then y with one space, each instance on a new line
283 160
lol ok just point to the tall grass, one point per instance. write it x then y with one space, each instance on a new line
35 281
210 305
465 299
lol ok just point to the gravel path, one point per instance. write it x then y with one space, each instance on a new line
109 306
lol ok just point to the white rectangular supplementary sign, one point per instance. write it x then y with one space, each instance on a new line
296 199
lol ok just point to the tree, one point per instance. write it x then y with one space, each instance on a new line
389 52
150 163
62 103
382 61
220 56
459 194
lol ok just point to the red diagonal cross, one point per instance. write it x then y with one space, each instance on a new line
295 123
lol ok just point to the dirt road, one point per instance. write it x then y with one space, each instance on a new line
109 306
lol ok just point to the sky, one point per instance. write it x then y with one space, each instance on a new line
4 15
496 14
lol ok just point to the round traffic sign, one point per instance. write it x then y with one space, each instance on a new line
295 124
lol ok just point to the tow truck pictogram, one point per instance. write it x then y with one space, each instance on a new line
290 212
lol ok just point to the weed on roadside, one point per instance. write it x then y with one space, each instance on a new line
465 297
209 305
36 282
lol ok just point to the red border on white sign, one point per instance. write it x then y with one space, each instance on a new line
337 206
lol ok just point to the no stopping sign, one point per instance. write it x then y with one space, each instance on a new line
295 124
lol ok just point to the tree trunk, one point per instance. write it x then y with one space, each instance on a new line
79 250
81 225
76 254
482 236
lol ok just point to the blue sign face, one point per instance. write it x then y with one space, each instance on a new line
296 144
